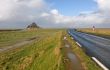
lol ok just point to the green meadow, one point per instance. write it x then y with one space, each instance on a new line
42 54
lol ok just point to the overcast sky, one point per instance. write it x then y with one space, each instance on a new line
54 13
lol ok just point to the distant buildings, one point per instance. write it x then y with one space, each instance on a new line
33 26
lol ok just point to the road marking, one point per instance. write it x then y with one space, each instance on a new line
67 46
72 38
100 64
78 44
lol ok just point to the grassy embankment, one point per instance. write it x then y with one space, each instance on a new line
43 54
85 60
103 32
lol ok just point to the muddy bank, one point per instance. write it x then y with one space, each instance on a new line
70 59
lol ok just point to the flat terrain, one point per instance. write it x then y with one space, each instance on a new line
103 32
40 55
11 37
42 50
94 46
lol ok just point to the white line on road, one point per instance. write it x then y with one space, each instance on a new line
72 38
78 44
100 64
67 46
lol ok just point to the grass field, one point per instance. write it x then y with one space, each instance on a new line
43 54
40 55
11 37
104 32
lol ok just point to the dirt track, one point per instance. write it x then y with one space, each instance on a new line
27 41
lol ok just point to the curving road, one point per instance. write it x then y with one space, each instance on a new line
94 46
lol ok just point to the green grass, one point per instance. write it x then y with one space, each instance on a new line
43 54
11 37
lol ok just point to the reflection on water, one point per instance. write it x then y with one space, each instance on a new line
73 59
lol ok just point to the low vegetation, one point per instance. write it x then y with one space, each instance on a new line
43 54
11 37
103 32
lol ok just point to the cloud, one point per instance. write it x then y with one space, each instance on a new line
55 17
104 6
19 13
54 11
70 21
37 3
84 19
19 9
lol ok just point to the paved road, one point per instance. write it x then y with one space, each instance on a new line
94 46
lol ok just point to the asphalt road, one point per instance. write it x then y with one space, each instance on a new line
94 46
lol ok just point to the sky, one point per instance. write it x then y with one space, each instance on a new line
54 13
73 7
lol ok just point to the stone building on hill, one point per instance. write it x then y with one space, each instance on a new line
33 26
